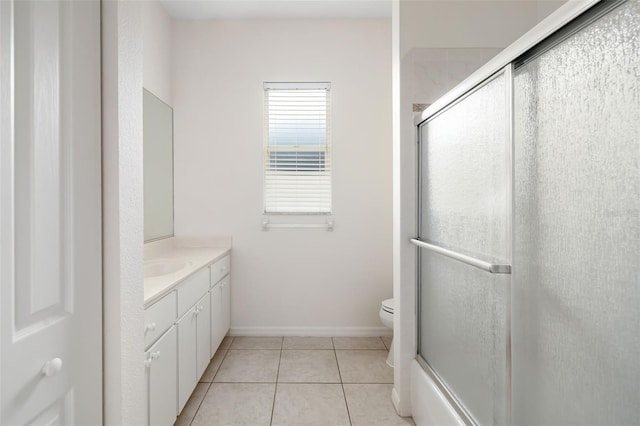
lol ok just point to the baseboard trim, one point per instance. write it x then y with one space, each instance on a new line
395 399
310 331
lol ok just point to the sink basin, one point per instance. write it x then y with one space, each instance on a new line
157 267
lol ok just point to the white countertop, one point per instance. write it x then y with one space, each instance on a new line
195 258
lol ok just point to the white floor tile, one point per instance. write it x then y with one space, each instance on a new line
249 366
309 404
237 404
308 366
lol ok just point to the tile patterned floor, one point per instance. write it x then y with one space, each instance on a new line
296 381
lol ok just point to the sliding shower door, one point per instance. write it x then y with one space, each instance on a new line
576 277
557 341
465 183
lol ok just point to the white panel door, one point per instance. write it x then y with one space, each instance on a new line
50 213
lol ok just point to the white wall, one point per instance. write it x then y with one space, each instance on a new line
156 38
124 386
287 281
420 25
547 7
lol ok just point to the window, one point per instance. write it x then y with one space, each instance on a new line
297 156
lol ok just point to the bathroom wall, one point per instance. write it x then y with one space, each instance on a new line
156 37
300 281
436 71
547 7
122 209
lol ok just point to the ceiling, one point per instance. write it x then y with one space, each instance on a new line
277 9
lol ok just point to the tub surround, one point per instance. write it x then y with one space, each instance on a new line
196 253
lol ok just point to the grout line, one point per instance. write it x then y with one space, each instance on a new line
220 366
275 391
367 383
195 413
231 339
256 349
344 395
359 349
245 383
362 350
308 349
383 343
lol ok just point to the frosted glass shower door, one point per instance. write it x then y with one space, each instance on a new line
576 276
465 181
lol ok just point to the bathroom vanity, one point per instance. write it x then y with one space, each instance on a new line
187 314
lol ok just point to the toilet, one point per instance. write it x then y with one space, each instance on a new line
386 316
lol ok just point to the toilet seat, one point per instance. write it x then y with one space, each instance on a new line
387 305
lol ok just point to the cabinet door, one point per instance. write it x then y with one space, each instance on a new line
220 312
216 307
187 338
203 351
225 309
162 378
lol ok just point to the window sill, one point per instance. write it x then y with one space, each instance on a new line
298 223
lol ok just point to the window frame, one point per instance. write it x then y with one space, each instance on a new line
298 168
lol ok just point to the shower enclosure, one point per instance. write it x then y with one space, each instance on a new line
529 231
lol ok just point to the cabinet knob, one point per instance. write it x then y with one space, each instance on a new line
53 367
155 355
150 327
147 362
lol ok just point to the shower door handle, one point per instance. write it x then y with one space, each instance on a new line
480 264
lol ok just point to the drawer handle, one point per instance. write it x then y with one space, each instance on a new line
155 355
149 327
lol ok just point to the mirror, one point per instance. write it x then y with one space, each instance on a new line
158 168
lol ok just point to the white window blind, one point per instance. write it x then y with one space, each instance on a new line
297 156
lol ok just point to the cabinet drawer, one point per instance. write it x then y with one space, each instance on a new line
159 317
220 269
192 289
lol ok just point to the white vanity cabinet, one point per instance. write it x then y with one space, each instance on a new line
194 333
162 372
160 360
220 301
220 312
187 340
183 330
203 341
194 348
